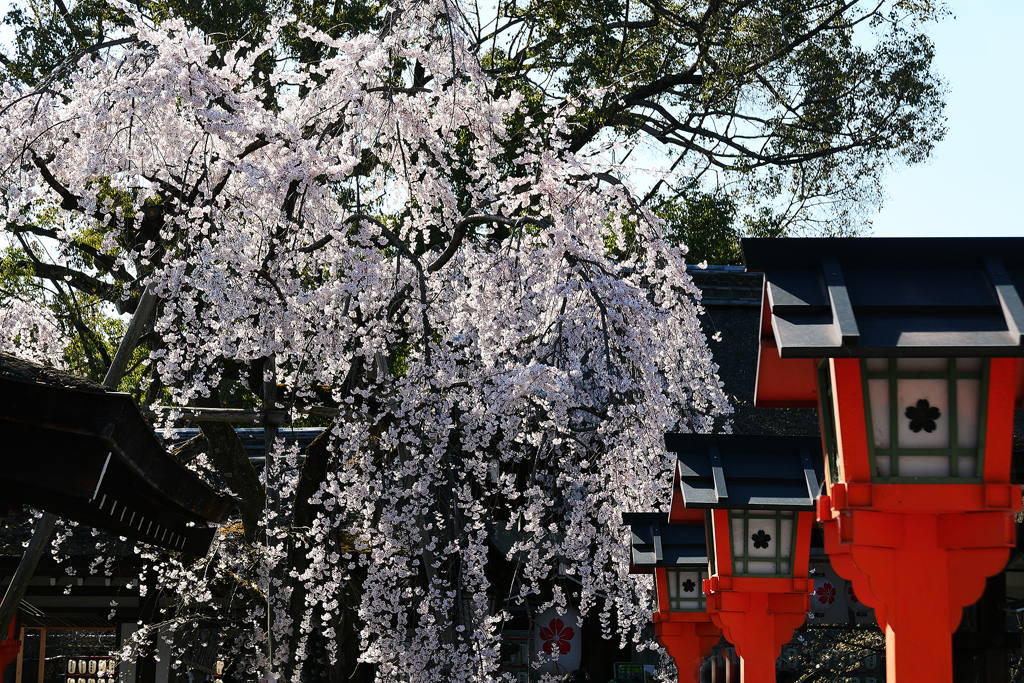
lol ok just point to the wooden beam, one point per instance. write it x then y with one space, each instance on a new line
843 319
1009 298
42 655
21 658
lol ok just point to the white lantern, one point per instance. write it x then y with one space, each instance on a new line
925 416
762 541
686 589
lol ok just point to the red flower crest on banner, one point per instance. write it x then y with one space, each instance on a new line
850 595
826 594
556 636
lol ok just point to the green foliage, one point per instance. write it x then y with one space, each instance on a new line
16 273
45 37
777 97
702 221
832 655
399 362
710 224
793 114
765 223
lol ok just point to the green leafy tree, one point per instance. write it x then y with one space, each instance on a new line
773 116
704 222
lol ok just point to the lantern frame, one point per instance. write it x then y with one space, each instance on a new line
736 479
953 377
841 315
663 546
674 582
748 518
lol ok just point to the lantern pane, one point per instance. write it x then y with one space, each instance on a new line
968 393
922 364
739 535
762 538
879 398
786 535
877 364
922 414
686 590
967 466
924 465
968 364
883 466
926 416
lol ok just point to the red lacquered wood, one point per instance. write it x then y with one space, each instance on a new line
851 428
688 637
1002 389
661 585
10 647
681 515
757 632
784 382
917 570
723 552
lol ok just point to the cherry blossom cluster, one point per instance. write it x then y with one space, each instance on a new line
449 274
31 331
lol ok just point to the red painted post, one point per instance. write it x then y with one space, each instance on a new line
918 575
10 647
758 624
689 638
919 553
924 653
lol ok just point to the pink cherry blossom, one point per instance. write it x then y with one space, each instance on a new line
515 389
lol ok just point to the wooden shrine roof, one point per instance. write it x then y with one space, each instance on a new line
746 472
657 543
89 455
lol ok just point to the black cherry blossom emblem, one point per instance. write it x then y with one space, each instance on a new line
688 586
761 539
922 416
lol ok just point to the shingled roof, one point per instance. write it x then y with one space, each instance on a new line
747 472
656 543
731 299
876 297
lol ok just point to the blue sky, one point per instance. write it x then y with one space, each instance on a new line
973 184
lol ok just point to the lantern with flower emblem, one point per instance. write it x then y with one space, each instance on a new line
676 554
909 348
759 494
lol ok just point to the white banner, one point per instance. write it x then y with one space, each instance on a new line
558 634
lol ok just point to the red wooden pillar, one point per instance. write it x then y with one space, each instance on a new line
758 624
759 615
919 553
10 647
689 638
